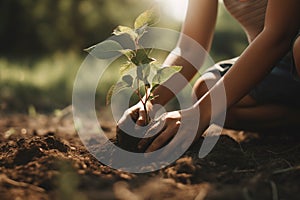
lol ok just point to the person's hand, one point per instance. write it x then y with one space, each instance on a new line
182 124
132 120
136 113
131 127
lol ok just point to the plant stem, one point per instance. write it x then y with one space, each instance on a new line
146 113
145 103
137 91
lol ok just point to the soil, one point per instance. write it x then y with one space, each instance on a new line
42 157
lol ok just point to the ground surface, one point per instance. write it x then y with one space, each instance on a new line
42 157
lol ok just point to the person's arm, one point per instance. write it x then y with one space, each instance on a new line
199 26
281 25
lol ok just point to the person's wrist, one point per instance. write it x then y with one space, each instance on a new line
192 114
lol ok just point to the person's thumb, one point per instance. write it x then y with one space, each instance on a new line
141 121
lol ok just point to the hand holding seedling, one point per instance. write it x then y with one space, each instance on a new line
140 72
166 127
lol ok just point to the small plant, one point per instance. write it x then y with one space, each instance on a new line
140 72
148 73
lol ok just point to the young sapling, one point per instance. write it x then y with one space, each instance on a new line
140 72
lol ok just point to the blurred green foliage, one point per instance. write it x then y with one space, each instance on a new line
45 85
42 46
29 27
229 39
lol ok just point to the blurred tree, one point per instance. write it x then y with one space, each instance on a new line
29 27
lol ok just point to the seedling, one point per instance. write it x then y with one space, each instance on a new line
148 72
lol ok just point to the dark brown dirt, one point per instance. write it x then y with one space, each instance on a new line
42 157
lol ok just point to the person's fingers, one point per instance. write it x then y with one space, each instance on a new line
134 114
127 122
178 144
141 121
155 129
164 137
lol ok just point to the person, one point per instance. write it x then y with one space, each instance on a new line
262 85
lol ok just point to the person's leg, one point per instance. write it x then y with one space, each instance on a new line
207 80
296 54
263 117
247 114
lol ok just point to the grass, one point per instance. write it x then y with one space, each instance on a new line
45 84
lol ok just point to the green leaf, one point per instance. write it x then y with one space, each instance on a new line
105 50
148 51
140 31
125 30
126 67
128 79
146 72
139 72
115 89
149 17
128 53
154 86
155 66
141 57
153 97
165 73
175 68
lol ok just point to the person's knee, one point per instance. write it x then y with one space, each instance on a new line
296 53
203 84
199 88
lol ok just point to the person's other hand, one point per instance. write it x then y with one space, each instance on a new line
184 122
